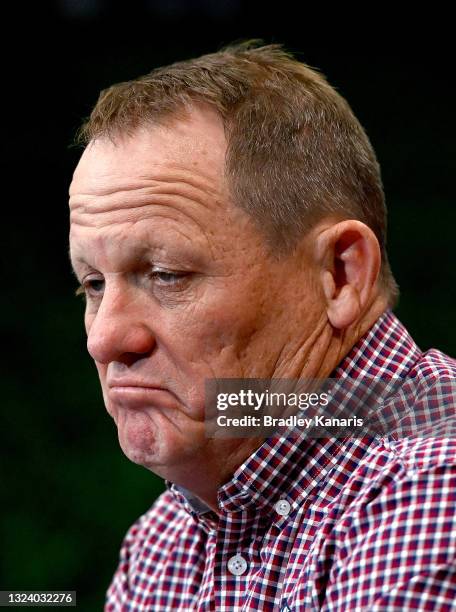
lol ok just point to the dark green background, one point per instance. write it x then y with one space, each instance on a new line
68 494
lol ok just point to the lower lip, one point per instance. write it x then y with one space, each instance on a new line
140 397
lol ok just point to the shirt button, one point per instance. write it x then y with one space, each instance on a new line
237 565
282 507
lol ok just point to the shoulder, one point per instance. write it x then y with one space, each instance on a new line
406 482
424 409
158 527
435 363
414 463
398 538
433 378
397 527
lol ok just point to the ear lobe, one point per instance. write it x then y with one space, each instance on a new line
345 309
352 263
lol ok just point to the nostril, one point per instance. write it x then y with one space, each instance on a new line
130 359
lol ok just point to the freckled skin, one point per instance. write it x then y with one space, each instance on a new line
158 199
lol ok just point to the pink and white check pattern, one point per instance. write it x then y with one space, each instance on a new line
371 522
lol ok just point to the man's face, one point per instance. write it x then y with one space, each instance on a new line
179 285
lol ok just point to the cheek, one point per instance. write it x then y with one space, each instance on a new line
216 340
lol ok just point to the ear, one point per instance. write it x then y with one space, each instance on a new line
350 259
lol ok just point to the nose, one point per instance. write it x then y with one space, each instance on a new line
119 330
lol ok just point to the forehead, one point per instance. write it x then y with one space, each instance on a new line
194 144
163 187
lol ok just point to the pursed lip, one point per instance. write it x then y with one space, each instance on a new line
137 393
125 382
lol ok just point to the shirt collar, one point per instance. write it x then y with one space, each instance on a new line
286 468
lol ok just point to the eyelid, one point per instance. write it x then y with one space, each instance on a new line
87 291
85 288
175 280
171 271
168 269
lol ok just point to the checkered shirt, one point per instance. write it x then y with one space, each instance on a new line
315 524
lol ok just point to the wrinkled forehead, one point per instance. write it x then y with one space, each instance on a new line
162 186
195 145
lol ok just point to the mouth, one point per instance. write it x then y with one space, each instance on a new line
133 394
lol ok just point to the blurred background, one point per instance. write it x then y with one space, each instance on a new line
68 493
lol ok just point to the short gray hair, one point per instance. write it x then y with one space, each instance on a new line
296 152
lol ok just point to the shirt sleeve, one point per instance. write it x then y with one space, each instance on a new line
398 552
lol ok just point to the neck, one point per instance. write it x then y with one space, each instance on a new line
221 459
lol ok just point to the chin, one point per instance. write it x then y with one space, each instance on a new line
140 457
153 450
137 436
157 443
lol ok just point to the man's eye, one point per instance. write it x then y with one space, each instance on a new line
95 285
91 287
169 277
